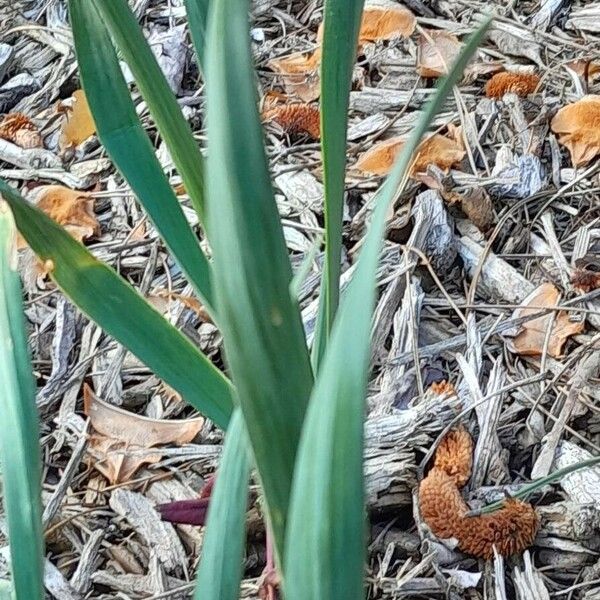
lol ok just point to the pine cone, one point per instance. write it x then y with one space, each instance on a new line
516 83
296 118
511 529
19 129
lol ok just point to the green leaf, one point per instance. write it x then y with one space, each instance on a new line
197 14
262 329
161 101
19 427
341 24
126 142
324 557
220 569
110 301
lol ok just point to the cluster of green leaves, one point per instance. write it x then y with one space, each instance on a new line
297 418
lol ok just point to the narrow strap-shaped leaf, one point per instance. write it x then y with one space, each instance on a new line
220 569
125 140
341 23
262 329
197 14
324 557
173 128
19 427
112 303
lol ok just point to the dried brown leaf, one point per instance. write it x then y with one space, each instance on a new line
521 84
578 128
530 340
300 74
478 207
296 118
437 51
72 209
120 446
79 124
436 149
20 130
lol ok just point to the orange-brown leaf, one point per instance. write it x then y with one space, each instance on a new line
20 130
578 128
530 340
521 84
386 23
79 124
437 51
300 74
71 208
296 118
436 149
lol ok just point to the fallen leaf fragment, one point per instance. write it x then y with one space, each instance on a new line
510 529
521 84
20 130
79 124
296 118
578 128
437 51
300 74
585 281
385 21
188 301
530 340
436 149
120 446
72 209
478 207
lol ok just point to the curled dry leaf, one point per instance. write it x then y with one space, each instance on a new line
437 51
510 529
79 124
521 84
20 130
530 340
300 74
578 128
122 438
72 209
296 118
435 150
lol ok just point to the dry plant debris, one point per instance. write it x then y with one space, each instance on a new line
530 341
437 51
79 124
436 150
511 529
484 217
502 83
300 74
296 118
120 446
578 128
72 209
20 129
